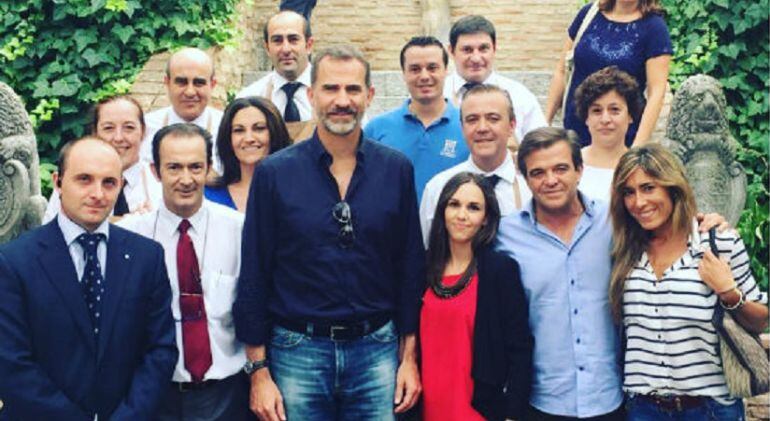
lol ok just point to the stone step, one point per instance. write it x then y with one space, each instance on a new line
390 90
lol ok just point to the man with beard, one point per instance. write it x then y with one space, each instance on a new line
328 297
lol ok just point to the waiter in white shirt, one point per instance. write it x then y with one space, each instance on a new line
473 44
189 82
119 121
288 42
487 119
202 245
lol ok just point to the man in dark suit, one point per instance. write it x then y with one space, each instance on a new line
86 331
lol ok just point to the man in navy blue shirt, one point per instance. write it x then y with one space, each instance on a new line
426 128
328 297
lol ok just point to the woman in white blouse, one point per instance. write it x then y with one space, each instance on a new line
665 285
608 101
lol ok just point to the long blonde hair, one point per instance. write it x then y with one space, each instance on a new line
644 6
630 240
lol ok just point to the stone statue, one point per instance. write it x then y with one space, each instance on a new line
21 204
436 19
699 134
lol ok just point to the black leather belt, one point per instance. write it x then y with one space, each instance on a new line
343 331
188 386
674 403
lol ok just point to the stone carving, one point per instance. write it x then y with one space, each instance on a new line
699 134
21 204
436 19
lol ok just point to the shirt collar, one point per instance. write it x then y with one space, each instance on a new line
320 154
169 221
446 116
279 80
506 170
528 210
201 121
133 174
458 81
70 230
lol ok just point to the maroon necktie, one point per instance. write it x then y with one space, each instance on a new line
195 333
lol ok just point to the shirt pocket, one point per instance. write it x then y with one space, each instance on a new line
219 294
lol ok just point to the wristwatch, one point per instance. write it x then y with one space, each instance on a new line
252 366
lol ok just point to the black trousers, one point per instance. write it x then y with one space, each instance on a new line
227 399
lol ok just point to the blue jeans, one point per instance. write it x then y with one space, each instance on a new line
711 410
321 379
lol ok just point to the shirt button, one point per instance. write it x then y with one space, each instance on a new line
658 336
575 311
572 282
580 368
656 310
578 340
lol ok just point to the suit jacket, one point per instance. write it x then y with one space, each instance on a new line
502 341
51 367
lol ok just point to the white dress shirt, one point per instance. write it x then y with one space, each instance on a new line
141 188
269 86
156 120
529 114
510 181
71 231
596 182
216 235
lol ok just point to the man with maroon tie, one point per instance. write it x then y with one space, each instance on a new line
202 248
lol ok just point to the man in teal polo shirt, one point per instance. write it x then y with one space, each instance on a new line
426 128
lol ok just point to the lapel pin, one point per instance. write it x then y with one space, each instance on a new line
126 256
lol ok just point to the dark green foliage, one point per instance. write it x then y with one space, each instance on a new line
62 55
729 41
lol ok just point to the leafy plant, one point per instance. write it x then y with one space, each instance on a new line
60 56
730 41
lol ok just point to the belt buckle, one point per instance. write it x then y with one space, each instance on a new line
334 329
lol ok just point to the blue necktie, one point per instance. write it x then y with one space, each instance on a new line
92 281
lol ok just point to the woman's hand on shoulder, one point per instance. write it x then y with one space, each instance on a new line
715 273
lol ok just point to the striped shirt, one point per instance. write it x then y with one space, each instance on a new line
672 347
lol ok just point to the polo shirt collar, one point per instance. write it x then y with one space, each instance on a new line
528 210
446 116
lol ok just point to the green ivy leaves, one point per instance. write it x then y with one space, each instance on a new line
62 55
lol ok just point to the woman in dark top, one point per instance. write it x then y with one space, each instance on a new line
251 129
474 332
629 34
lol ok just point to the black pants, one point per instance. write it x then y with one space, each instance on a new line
533 414
227 399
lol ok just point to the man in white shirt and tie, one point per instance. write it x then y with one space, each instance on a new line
289 43
488 119
202 245
473 44
189 83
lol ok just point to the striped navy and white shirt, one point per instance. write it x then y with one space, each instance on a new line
672 347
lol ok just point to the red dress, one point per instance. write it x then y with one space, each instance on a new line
446 341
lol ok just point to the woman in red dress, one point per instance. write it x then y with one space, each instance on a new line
474 333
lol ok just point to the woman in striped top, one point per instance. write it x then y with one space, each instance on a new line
665 284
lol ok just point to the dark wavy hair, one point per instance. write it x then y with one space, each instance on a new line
438 241
604 81
279 136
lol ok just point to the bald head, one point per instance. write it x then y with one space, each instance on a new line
189 81
288 43
89 180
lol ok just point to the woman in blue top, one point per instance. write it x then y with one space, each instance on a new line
630 34
251 129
